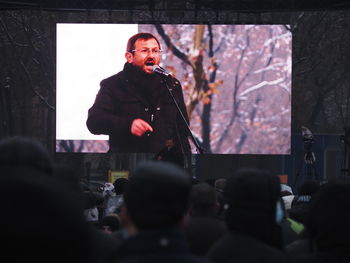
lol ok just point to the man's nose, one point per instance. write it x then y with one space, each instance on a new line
151 53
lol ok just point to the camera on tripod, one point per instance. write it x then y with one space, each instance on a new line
307 167
308 138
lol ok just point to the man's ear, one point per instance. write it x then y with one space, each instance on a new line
129 57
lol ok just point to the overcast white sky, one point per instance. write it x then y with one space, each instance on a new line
86 54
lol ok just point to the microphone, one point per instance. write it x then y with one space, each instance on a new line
147 133
161 71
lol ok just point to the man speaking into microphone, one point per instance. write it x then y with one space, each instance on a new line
136 106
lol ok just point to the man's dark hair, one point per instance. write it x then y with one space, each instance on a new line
144 36
119 185
157 194
251 196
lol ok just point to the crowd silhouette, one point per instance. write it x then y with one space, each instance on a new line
158 214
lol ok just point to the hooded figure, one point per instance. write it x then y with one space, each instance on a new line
252 213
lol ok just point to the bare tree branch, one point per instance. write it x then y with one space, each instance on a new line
171 46
21 63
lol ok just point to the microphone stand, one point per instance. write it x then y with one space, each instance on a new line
199 149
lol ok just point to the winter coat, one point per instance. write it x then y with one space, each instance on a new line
132 94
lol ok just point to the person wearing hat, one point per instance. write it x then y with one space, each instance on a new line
155 209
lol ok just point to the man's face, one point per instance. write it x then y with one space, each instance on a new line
145 55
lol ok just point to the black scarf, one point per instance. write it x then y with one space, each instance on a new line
147 85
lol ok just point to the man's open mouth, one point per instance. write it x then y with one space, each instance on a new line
149 63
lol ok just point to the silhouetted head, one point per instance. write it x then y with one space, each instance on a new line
44 220
21 152
203 200
119 185
251 197
157 194
328 219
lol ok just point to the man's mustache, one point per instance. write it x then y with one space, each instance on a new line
150 61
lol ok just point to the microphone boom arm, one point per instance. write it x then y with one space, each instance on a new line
199 149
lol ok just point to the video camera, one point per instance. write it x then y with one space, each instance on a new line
308 138
307 134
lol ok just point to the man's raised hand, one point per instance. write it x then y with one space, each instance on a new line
139 127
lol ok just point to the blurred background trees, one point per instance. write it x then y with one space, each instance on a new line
236 81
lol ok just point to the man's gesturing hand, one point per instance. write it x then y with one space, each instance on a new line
139 127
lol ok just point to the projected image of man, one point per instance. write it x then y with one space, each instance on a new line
134 107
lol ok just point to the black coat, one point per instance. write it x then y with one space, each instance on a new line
238 248
132 94
202 232
157 246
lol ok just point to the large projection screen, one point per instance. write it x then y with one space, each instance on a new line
236 81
